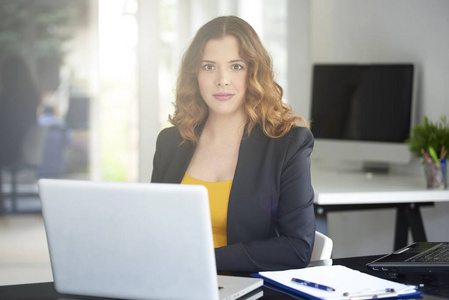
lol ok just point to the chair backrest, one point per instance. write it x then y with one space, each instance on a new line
322 248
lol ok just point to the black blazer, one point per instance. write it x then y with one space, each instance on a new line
271 222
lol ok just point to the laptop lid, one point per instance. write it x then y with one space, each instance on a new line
420 257
130 240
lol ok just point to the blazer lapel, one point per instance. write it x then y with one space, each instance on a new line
180 162
245 180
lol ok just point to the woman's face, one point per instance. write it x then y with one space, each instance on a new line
222 77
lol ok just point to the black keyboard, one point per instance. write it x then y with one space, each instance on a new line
440 254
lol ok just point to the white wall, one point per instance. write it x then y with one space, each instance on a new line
298 41
386 31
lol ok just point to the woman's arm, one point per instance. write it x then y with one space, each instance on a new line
292 215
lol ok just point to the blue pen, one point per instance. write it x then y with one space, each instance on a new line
314 285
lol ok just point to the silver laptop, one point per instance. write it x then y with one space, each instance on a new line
134 241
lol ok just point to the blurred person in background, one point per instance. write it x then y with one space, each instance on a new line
19 99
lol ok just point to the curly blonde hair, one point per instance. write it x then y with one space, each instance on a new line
263 101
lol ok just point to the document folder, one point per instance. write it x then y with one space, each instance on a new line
335 282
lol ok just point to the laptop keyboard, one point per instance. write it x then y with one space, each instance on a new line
441 254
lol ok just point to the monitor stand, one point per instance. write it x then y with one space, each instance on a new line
376 167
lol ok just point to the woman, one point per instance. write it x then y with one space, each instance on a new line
233 134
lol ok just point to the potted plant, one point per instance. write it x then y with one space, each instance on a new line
430 140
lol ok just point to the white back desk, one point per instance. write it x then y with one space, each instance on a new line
339 190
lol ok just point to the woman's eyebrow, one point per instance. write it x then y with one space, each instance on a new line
231 61
237 61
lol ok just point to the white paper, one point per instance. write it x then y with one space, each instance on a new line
341 278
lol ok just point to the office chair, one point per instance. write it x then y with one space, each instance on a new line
322 248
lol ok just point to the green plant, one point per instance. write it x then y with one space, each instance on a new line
429 134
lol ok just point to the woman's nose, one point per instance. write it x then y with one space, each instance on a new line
223 78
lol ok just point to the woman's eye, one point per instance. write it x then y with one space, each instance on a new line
237 67
208 67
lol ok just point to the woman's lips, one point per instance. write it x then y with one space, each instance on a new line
223 96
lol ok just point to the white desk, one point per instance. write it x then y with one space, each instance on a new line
351 190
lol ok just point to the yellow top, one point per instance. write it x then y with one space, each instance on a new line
218 202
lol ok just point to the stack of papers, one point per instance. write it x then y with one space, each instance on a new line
341 283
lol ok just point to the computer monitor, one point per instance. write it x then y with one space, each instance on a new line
363 112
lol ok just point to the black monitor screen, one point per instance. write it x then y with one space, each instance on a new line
362 102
